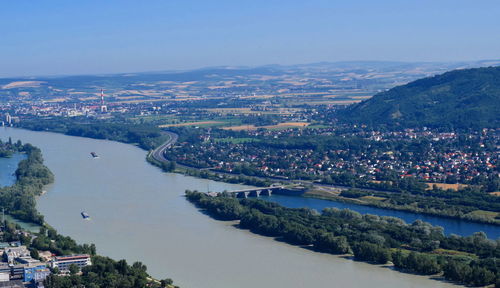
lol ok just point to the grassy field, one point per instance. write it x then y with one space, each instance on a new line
284 125
242 127
249 111
197 123
446 186
324 192
453 253
156 119
483 213
288 125
372 198
245 111
165 121
448 252
328 102
317 126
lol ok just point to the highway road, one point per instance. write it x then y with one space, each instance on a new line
158 153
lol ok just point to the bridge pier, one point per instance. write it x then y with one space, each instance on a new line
242 195
266 192
255 192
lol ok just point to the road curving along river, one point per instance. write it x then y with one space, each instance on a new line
139 213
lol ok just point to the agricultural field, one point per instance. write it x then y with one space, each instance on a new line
278 126
197 123
446 186
251 111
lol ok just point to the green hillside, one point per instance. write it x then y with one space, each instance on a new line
457 99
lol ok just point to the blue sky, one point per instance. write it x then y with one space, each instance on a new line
94 37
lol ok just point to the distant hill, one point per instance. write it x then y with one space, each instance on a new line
337 78
458 99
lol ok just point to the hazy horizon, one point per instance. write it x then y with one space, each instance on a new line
93 37
160 71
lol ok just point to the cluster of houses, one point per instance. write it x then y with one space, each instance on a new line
441 159
19 269
56 110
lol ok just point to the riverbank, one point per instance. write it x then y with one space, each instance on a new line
137 208
31 177
409 203
450 225
373 201
313 189
157 158
9 164
18 200
345 232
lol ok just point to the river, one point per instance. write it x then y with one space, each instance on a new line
139 213
8 168
450 225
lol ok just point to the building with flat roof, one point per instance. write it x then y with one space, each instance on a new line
28 261
36 273
12 253
63 262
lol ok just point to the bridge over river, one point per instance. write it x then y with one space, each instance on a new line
263 191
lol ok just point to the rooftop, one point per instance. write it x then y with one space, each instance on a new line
71 257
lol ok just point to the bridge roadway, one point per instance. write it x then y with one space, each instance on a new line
158 155
254 192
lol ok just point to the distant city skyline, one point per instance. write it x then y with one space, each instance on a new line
58 37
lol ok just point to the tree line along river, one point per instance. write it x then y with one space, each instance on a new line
139 213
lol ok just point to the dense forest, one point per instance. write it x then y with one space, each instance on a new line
8 148
19 199
417 247
459 99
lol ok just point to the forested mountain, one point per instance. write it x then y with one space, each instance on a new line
458 99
